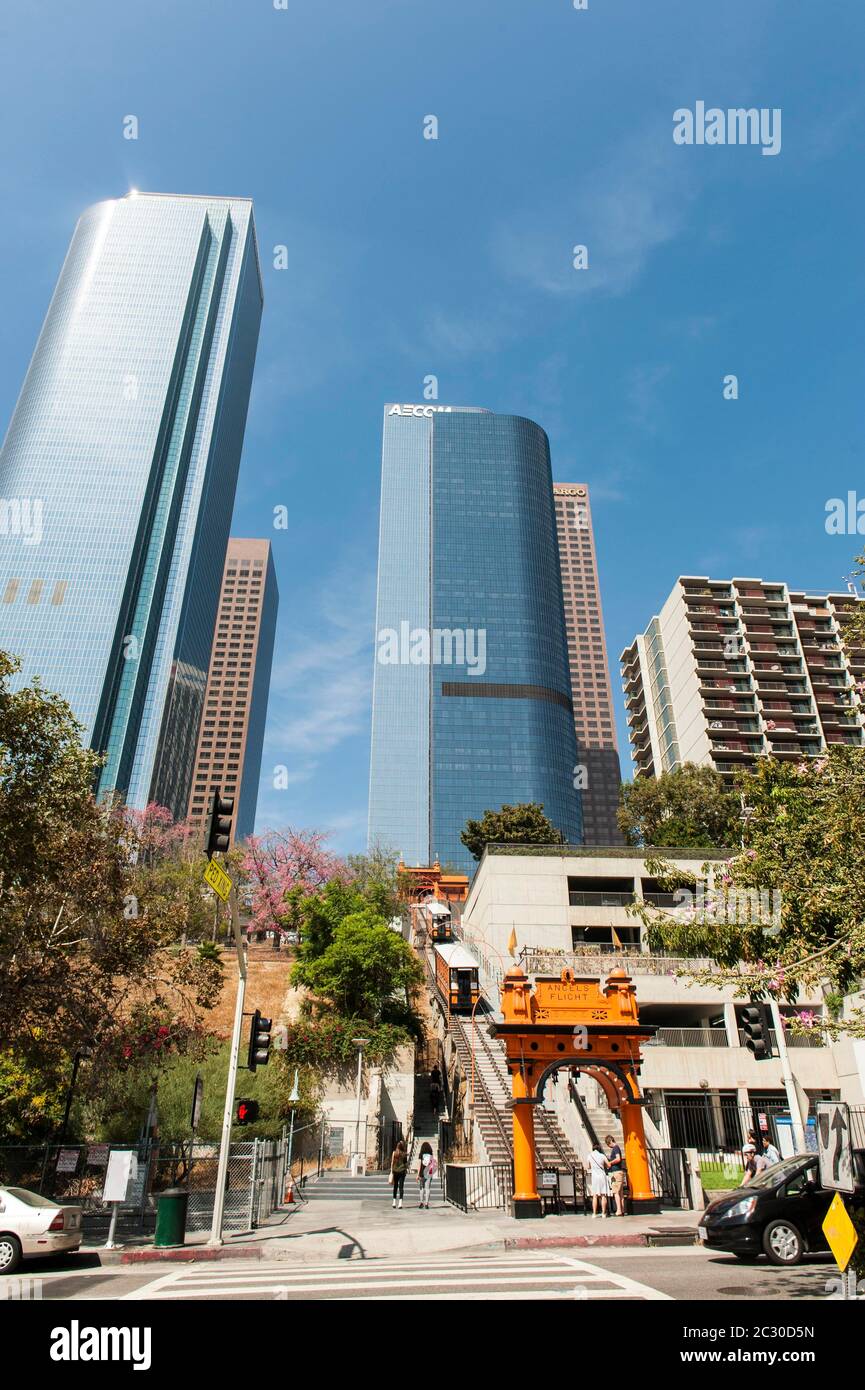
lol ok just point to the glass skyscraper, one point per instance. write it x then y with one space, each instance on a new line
471 693
126 443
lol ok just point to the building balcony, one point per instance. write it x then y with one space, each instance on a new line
742 750
776 670
608 899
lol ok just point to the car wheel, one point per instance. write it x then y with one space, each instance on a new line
10 1253
782 1243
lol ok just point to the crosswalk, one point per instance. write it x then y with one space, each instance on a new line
523 1275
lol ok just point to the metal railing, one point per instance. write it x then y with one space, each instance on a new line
479 1186
600 899
588 961
690 1037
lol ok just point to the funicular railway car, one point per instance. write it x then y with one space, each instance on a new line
457 977
439 923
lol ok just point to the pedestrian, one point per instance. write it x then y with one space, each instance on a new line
435 1090
616 1175
398 1166
770 1152
425 1171
599 1181
754 1163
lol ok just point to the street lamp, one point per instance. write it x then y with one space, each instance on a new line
360 1044
294 1098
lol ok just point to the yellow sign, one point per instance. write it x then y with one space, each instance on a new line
218 879
840 1232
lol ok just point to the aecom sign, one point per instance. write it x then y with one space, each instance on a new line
418 410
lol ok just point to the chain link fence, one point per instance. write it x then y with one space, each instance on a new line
76 1173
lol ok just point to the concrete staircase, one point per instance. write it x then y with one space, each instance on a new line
338 1185
492 1097
425 1120
598 1113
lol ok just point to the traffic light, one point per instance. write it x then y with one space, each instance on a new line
219 827
259 1041
245 1112
756 1023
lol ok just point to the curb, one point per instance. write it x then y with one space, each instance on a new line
579 1242
611 1242
180 1254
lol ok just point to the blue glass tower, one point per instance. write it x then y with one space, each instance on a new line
126 439
471 694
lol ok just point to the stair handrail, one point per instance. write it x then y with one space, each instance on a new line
457 1026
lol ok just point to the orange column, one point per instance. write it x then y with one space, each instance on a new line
637 1161
526 1201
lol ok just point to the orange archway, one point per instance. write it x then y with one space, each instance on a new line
574 1022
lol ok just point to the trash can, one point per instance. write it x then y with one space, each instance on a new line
171 1216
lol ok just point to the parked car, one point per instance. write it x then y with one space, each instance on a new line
31 1224
779 1213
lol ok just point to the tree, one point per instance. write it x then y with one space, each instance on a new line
78 950
363 968
691 808
525 824
275 863
795 893
853 624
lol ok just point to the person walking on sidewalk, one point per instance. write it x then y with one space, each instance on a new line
398 1166
425 1170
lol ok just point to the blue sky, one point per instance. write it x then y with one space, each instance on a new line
410 256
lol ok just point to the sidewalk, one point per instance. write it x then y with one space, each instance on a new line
351 1230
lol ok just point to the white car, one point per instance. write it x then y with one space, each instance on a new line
34 1225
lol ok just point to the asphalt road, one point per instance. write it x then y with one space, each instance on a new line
681 1273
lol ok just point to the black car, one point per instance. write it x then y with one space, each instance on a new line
778 1214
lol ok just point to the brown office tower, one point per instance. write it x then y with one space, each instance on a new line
587 655
238 682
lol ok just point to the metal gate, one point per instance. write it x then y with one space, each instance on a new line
669 1177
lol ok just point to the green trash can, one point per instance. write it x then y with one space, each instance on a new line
171 1216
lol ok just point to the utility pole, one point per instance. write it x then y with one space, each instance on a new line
360 1044
789 1082
228 1114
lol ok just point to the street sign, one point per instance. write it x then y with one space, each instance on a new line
218 879
840 1232
834 1145
121 1171
67 1161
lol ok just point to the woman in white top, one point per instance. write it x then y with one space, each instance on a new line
600 1183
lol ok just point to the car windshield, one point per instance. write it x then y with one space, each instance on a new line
777 1173
30 1199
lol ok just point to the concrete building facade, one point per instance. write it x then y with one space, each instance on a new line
569 906
594 723
733 669
228 756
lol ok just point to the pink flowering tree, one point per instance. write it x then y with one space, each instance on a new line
275 863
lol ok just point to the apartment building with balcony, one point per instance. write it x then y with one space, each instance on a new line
731 670
573 906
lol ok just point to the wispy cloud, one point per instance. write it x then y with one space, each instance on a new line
622 212
320 688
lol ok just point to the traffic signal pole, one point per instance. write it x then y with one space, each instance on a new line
789 1081
228 1114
